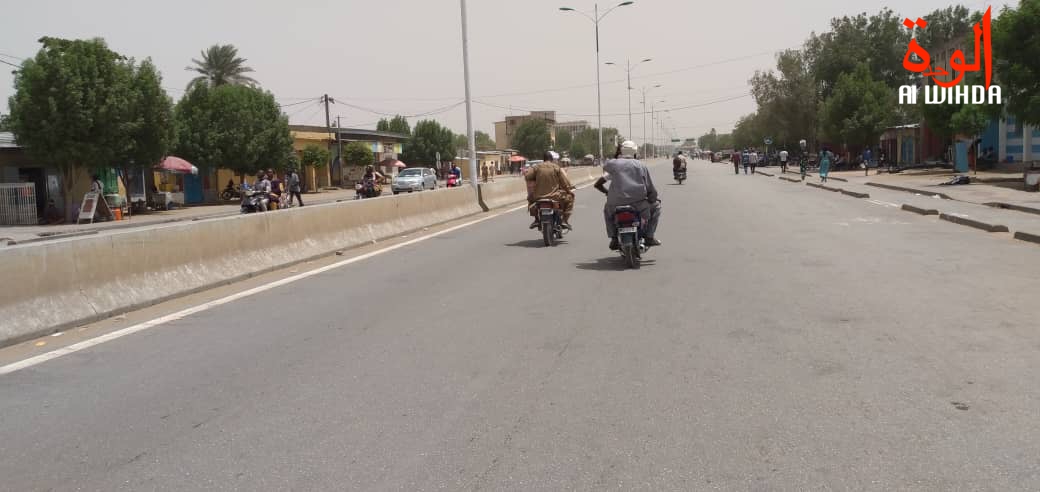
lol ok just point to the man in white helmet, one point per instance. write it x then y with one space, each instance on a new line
630 184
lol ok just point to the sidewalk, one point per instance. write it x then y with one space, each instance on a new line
985 188
967 205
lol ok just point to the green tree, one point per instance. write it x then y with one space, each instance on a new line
232 127
149 123
221 65
1016 36
429 138
5 125
398 124
532 138
484 141
858 110
358 154
70 107
315 156
564 139
879 40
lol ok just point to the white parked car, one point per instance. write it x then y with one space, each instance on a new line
414 179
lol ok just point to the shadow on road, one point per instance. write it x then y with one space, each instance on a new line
610 264
534 243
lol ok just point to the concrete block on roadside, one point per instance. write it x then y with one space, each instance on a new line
855 194
974 223
918 210
1025 236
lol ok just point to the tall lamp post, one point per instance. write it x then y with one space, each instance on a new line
469 103
595 18
652 127
645 90
628 71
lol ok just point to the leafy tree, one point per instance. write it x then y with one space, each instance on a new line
358 154
429 138
1016 36
945 25
858 110
564 139
5 125
221 65
577 149
484 141
233 127
532 138
315 156
149 122
879 40
71 105
399 124
787 100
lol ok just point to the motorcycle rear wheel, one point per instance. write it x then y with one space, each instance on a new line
548 237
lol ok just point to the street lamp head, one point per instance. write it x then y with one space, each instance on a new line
566 9
622 4
646 60
609 63
656 86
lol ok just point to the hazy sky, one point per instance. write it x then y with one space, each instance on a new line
405 56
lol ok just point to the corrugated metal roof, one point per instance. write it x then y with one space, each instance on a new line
7 141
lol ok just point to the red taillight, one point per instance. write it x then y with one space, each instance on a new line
625 217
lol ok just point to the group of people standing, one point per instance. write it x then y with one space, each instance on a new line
749 158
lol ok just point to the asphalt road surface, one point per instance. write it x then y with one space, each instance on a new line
782 338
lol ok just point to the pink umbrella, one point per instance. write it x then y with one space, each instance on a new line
400 164
177 165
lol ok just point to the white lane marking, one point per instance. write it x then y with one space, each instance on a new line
883 204
108 337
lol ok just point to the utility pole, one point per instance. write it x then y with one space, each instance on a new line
628 70
339 141
469 103
328 126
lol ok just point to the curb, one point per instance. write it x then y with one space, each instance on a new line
855 194
974 223
790 180
828 188
1025 236
814 185
909 190
12 242
921 211
843 180
1009 206
764 174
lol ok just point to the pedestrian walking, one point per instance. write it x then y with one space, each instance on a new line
745 158
754 161
735 157
825 164
293 180
866 161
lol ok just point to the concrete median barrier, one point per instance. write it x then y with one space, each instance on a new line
68 282
513 191
973 223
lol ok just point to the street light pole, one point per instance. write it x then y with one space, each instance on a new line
595 18
643 136
469 104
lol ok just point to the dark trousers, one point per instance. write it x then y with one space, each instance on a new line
296 194
736 168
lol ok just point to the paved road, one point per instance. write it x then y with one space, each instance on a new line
783 338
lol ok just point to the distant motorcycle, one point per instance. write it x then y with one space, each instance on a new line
254 201
231 193
630 234
453 181
679 175
550 221
366 188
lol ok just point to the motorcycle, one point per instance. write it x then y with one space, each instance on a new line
231 193
366 188
550 221
630 234
453 181
679 175
254 201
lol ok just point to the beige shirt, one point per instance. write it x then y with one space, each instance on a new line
548 178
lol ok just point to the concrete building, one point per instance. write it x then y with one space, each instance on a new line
386 148
574 127
504 130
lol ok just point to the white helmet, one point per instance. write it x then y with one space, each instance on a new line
629 148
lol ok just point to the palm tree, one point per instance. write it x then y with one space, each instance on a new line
220 65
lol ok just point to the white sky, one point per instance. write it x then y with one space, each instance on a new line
405 56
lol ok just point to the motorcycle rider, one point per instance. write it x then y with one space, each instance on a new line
678 163
630 184
548 181
263 186
372 175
